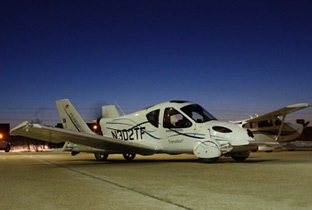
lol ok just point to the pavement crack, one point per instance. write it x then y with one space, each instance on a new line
117 185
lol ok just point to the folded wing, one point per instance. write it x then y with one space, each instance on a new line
58 135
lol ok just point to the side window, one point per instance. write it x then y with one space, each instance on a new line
250 125
174 119
197 117
278 121
153 117
265 123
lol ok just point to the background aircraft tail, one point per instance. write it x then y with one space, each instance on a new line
71 119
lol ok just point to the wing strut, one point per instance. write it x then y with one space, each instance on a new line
281 128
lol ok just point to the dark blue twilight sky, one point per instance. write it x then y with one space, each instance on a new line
235 58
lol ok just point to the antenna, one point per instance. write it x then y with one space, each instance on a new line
119 107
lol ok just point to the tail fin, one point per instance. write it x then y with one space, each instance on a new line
71 120
110 111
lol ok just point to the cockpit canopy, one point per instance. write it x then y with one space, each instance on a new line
173 118
197 113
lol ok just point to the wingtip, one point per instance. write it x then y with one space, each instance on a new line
300 105
65 99
23 124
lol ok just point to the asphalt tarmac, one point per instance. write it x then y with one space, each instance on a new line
278 180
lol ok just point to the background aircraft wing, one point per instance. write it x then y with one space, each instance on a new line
58 135
259 143
280 112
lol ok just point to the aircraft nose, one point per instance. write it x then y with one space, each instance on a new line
230 131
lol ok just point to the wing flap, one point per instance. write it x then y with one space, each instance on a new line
57 135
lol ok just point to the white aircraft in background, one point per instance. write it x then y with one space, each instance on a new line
271 127
173 127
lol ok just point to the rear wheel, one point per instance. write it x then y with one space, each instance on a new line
7 149
129 157
100 156
240 156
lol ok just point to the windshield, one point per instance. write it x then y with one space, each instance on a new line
197 113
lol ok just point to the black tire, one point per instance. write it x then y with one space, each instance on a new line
240 156
7 149
129 157
100 156
208 160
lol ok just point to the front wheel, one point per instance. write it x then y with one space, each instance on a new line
129 157
208 160
100 156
